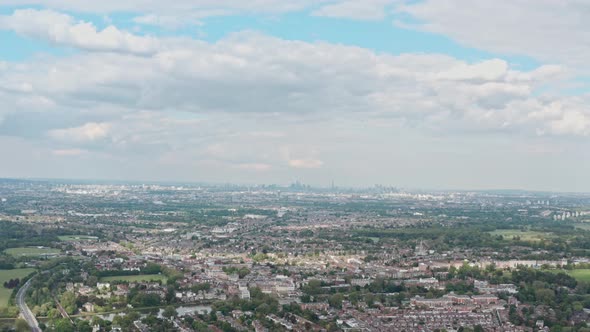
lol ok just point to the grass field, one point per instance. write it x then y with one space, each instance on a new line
583 225
68 238
580 275
31 251
6 275
141 277
529 236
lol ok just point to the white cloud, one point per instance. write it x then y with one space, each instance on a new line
69 152
64 30
177 7
564 117
306 163
87 133
572 122
255 167
355 9
548 30
176 21
180 13
551 31
250 73
490 70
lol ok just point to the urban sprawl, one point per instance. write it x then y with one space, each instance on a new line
154 257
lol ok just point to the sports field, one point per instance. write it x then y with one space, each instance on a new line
31 251
6 275
137 278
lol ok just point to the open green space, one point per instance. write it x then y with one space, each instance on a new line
70 238
6 275
31 251
527 236
374 239
583 225
580 275
137 278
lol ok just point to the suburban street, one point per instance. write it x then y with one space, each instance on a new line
24 309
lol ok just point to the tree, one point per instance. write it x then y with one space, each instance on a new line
68 301
83 326
12 283
200 326
169 312
91 281
335 301
63 325
263 309
21 326
242 272
313 287
545 295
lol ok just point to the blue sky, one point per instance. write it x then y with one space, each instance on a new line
272 92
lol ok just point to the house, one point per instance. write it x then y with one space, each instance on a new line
103 286
88 307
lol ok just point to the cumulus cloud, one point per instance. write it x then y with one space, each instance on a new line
249 73
64 30
490 70
564 117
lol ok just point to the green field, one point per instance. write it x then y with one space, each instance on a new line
6 275
137 278
69 238
31 252
528 236
580 275
583 225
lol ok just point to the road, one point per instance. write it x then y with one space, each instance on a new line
24 309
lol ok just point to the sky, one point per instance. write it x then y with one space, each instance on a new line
432 94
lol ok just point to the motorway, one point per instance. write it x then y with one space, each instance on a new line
24 309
